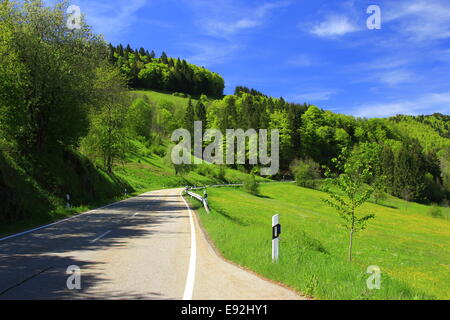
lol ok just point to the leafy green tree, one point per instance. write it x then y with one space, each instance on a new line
12 116
107 138
352 194
140 118
279 120
409 172
54 75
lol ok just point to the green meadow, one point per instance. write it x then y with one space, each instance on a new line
410 247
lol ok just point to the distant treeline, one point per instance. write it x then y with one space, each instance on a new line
145 71
409 155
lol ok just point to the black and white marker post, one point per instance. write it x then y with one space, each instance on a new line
276 231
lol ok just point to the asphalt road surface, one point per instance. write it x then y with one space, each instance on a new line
146 247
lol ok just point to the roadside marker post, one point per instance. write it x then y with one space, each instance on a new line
68 201
276 231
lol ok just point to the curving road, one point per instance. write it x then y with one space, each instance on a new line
139 248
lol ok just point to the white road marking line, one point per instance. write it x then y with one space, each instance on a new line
58 222
101 236
189 288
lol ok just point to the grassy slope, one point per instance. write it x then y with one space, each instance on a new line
39 198
145 171
410 247
158 97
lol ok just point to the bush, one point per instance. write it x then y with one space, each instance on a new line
205 170
139 118
159 151
379 195
220 175
435 212
250 185
179 94
306 173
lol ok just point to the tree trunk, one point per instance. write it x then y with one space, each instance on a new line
350 246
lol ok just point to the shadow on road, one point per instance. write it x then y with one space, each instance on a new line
33 266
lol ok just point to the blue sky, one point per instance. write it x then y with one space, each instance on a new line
320 51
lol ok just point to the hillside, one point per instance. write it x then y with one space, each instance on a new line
143 70
145 167
407 244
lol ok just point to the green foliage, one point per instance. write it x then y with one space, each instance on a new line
49 74
398 158
435 212
164 73
159 150
306 173
140 118
409 172
251 185
107 135
351 184
189 118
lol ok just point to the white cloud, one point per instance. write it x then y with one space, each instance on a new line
312 96
391 70
225 18
334 26
386 63
208 54
395 77
111 18
425 104
302 60
420 20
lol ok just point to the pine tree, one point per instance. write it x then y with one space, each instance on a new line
409 174
189 117
111 51
164 58
200 113
120 50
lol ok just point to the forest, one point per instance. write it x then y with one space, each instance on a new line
68 113
408 156
144 71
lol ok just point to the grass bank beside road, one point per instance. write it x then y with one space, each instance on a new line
410 247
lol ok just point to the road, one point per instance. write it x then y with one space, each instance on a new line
146 247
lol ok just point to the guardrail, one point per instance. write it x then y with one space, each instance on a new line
235 184
204 201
